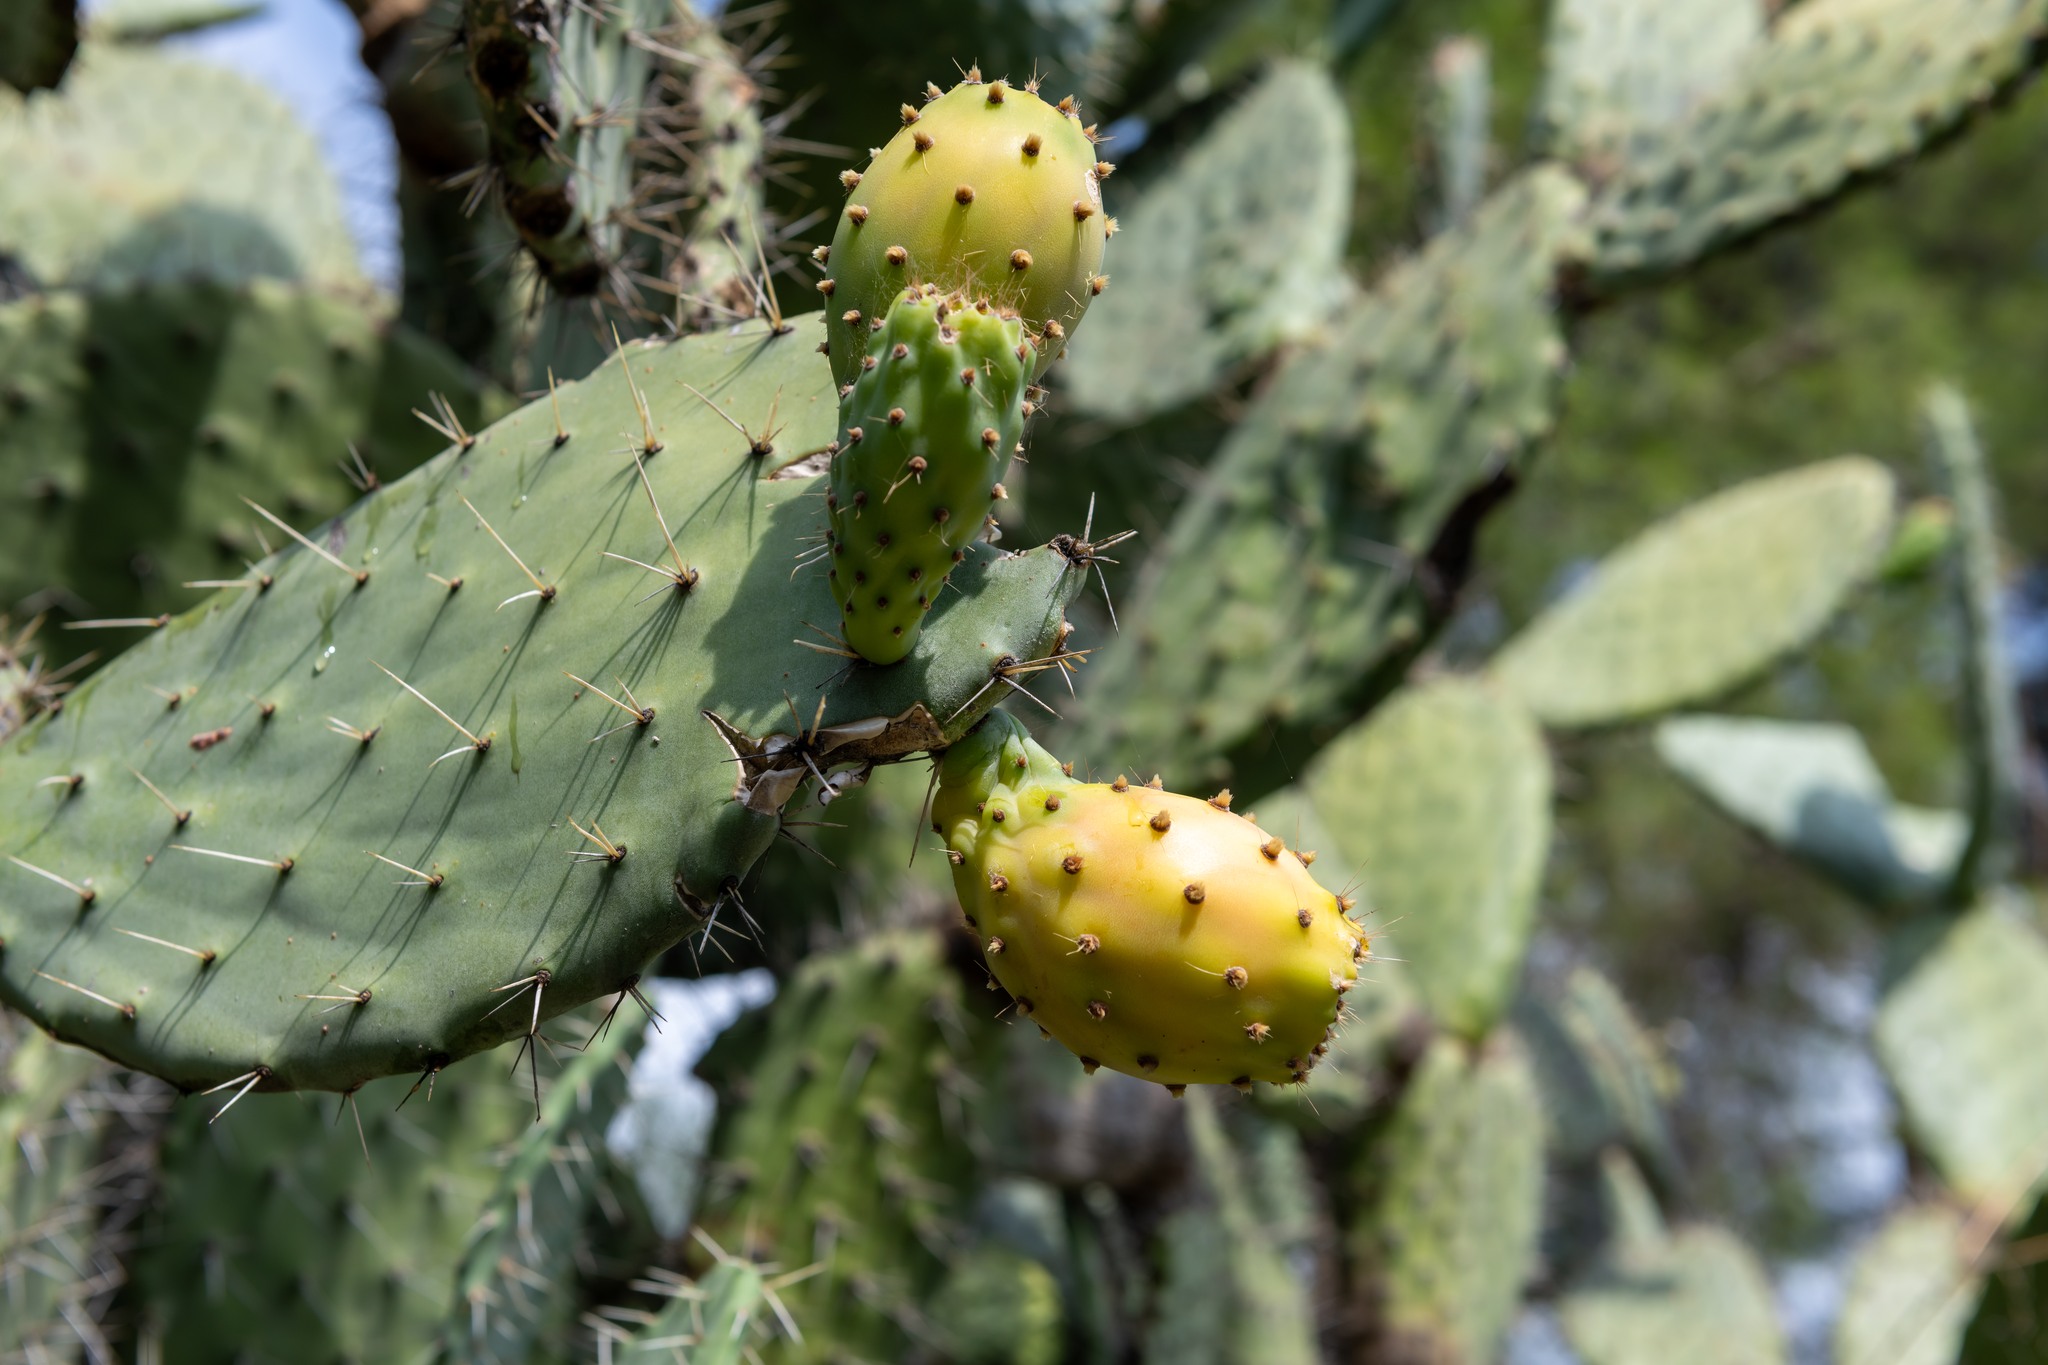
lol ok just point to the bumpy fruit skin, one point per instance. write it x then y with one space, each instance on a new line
925 436
1155 934
987 191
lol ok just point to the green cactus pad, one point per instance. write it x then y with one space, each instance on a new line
1959 1036
1234 249
147 167
145 21
1603 1079
720 107
1814 791
61 1183
272 1237
999 1307
717 1319
37 41
1706 600
1156 934
844 1142
1694 1296
135 421
1619 75
278 720
988 192
1910 1291
1440 801
1289 577
925 437
1232 1293
550 83
1841 89
1453 1191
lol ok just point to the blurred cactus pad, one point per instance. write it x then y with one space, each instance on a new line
1002 682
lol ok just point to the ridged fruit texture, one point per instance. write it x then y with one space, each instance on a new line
228 785
1158 935
845 1141
1707 599
925 437
988 192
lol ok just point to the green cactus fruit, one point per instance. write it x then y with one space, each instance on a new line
1451 1195
925 436
1158 935
137 420
1911 1289
149 167
1230 252
1815 792
1959 1035
538 640
1441 801
987 192
846 1142
1706 600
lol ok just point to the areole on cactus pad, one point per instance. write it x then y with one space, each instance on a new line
1156 934
987 191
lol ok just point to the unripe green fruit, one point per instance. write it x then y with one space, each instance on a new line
988 192
925 436
1154 934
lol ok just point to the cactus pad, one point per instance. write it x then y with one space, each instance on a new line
430 695
1290 576
1815 792
1155 934
841 1143
1440 800
1706 600
146 167
1618 73
988 192
1959 1037
1604 1080
136 421
1696 1297
925 437
1841 89
1910 1291
1233 250
1448 1232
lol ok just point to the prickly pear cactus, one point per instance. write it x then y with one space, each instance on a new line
1232 250
1619 74
1839 90
539 640
1706 600
1453 1190
551 79
1815 792
988 192
1910 1291
925 437
1440 802
1953 1033
841 1143
147 167
718 1319
135 421
1159 935
1604 1081
1286 593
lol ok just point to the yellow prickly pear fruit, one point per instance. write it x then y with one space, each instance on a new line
1155 934
988 192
